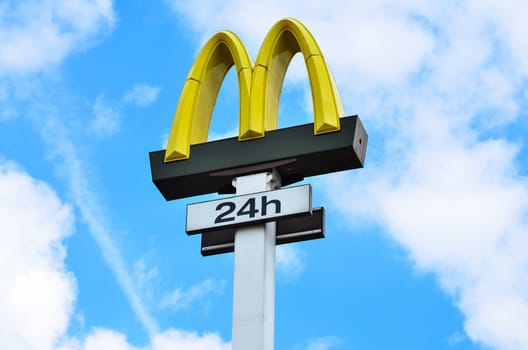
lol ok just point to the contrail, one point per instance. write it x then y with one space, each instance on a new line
63 149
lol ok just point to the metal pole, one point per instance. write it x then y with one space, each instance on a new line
254 276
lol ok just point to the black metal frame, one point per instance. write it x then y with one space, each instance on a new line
295 152
289 230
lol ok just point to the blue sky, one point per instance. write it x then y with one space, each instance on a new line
425 248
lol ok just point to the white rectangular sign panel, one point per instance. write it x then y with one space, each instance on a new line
249 208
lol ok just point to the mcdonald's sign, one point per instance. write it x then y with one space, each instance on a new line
192 166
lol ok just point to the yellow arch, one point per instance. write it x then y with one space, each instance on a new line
198 96
259 87
284 40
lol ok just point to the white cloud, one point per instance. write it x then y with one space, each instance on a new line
177 339
144 275
38 34
107 118
105 339
456 338
180 299
461 214
84 198
7 111
65 155
290 261
371 39
219 136
142 94
164 138
435 83
37 293
323 343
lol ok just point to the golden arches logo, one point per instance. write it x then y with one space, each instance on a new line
259 86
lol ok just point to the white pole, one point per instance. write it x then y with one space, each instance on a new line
254 277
